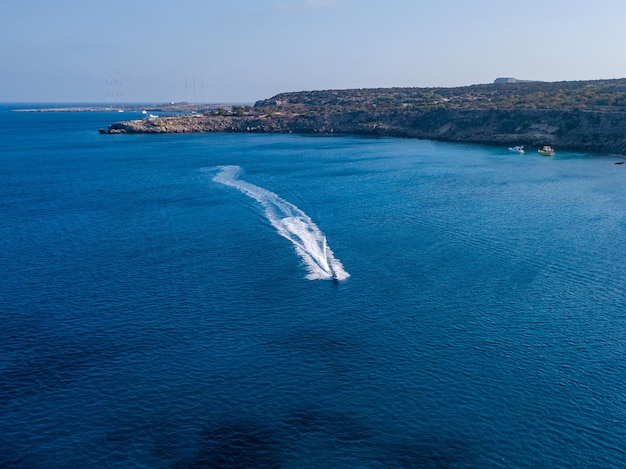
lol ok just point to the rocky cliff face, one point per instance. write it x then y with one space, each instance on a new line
470 116
591 131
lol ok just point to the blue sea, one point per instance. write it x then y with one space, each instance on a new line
166 301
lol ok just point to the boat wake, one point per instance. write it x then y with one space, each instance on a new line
291 223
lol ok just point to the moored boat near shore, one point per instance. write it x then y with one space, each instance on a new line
546 151
517 149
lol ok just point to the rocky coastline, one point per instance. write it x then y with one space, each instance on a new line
588 116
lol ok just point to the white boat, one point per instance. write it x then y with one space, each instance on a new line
517 149
546 151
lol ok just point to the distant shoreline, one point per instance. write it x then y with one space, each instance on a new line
71 109
166 107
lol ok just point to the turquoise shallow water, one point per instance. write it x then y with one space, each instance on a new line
165 301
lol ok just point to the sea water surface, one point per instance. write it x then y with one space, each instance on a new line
166 301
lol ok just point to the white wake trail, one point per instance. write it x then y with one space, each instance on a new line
291 223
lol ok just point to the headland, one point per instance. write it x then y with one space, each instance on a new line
576 115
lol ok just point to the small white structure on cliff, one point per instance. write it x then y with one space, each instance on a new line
506 80
511 80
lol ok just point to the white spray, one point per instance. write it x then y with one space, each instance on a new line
291 223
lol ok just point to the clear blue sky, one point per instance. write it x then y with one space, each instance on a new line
244 50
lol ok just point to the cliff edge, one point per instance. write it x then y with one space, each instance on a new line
588 115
